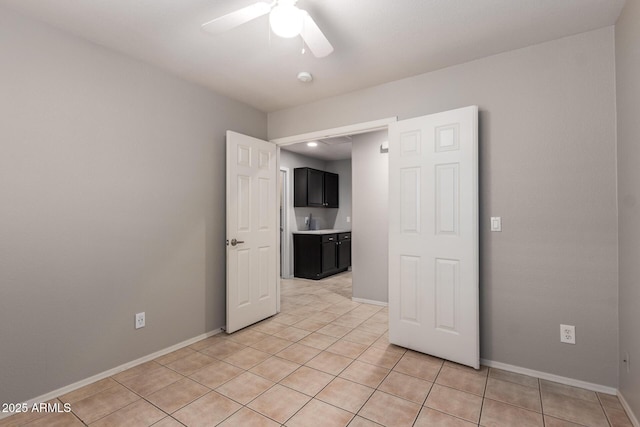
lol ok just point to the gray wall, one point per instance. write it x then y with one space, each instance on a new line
342 168
111 187
325 217
547 166
370 244
628 103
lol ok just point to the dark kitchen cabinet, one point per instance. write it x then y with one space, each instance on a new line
344 251
316 256
329 256
331 190
315 188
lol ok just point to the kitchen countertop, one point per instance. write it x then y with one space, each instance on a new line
327 231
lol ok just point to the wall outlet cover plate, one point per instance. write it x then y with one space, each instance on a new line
568 334
140 320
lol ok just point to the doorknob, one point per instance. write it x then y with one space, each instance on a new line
235 242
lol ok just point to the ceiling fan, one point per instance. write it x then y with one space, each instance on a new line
285 19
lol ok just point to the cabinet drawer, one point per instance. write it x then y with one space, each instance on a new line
344 236
329 238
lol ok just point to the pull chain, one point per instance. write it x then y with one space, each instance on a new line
302 39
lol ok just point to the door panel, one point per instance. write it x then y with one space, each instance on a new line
344 254
410 200
408 288
433 235
447 293
329 260
331 190
446 203
252 230
315 188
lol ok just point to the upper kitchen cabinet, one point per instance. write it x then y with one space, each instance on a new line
315 188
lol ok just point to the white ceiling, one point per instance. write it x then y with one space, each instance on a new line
338 148
375 41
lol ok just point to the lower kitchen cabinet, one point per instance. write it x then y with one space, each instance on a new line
344 251
321 255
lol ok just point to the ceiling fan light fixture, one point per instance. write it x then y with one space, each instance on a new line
286 20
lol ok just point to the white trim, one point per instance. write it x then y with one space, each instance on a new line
627 408
549 377
335 132
369 301
71 387
282 249
286 232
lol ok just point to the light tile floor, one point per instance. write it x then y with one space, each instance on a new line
323 361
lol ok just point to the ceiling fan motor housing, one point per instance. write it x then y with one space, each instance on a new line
285 19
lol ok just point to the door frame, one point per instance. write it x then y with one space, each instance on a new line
353 129
286 245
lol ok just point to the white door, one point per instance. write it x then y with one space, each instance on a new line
252 230
433 235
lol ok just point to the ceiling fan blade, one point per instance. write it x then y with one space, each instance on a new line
313 37
234 19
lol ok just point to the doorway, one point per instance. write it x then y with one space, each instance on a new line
444 143
362 206
435 161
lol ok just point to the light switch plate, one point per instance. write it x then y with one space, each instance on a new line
496 223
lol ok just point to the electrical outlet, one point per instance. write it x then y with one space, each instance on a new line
140 320
568 334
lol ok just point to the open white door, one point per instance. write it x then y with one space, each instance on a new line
433 235
252 230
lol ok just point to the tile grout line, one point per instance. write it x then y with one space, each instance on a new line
321 350
544 423
484 394
283 385
335 376
342 370
145 399
604 410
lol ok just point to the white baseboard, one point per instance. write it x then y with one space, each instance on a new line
102 375
550 377
369 301
627 408
566 381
